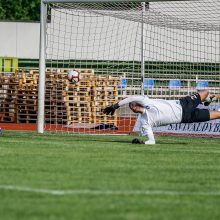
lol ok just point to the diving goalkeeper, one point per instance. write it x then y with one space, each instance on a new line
159 112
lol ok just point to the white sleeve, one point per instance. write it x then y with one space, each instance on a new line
147 131
139 99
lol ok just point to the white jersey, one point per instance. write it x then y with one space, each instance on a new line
158 112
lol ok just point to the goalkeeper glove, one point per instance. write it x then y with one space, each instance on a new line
137 141
111 109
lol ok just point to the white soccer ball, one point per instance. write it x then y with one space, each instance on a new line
73 76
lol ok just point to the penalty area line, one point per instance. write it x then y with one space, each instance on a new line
106 192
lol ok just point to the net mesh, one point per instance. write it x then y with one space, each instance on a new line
179 42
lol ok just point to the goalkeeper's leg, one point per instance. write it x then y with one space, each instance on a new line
206 98
214 114
211 98
216 97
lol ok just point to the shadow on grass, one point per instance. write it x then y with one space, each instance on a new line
90 139
129 142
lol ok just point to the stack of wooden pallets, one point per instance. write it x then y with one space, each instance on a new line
104 93
86 99
55 109
78 102
65 103
27 96
8 91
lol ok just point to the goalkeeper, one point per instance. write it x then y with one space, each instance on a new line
159 112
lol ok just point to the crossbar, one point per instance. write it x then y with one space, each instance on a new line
103 1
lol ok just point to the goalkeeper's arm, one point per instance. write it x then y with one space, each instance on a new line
111 109
147 131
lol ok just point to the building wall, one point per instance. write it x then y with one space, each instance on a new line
19 39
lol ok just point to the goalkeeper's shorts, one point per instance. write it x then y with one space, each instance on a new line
190 111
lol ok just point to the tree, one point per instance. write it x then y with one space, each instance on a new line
24 10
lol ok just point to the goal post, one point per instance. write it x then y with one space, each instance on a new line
163 49
42 68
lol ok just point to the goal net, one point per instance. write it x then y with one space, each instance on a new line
163 49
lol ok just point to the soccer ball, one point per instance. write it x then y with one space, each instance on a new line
73 76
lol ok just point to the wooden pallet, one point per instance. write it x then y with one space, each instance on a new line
79 120
9 118
26 117
7 98
104 121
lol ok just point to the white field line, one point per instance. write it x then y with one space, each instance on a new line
107 192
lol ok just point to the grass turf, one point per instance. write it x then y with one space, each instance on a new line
107 177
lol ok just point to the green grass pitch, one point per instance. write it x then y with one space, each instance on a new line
51 177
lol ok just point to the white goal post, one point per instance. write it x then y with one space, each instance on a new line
160 48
